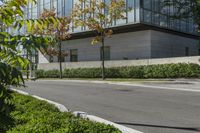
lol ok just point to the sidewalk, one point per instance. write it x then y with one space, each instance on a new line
192 85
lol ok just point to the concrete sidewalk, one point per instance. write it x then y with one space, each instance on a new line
170 84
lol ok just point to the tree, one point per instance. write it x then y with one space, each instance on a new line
55 27
98 16
11 61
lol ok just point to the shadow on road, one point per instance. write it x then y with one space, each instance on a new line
160 126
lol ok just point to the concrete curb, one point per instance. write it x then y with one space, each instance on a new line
61 107
123 129
81 114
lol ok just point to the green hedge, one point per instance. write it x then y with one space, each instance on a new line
181 70
35 116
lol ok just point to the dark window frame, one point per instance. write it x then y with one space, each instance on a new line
73 57
187 51
105 57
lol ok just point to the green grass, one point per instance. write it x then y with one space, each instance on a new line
34 116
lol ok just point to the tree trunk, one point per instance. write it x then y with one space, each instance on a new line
102 58
27 69
60 62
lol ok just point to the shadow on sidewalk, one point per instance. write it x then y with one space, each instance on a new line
160 126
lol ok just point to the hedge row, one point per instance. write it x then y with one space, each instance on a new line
31 115
181 70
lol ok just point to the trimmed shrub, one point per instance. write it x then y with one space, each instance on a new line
180 70
39 73
52 74
35 116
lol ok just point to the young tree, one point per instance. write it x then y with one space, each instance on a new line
55 27
97 15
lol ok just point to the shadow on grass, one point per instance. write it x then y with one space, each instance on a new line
160 126
6 122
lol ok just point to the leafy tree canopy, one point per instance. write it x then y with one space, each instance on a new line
11 60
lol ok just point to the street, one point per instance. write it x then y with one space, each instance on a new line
145 109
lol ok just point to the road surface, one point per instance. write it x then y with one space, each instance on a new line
146 109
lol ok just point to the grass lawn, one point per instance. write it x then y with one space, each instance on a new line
34 116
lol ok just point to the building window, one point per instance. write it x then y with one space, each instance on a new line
199 52
68 7
50 58
106 53
186 51
73 55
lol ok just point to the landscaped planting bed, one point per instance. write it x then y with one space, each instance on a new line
180 70
31 115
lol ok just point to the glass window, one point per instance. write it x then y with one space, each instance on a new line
54 5
156 18
137 10
107 2
183 26
34 11
106 53
68 7
199 52
147 16
156 5
186 51
79 28
131 13
41 6
147 4
73 55
50 58
59 10
163 21
47 4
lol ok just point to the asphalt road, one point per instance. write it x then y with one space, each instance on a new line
143 108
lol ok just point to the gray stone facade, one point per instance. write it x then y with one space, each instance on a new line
169 45
132 45
120 63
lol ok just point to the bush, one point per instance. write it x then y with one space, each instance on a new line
39 73
35 116
180 70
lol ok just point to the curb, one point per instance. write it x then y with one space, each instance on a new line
123 129
81 114
61 107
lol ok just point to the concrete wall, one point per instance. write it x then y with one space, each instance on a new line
119 63
170 45
131 45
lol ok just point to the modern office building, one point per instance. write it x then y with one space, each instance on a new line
148 32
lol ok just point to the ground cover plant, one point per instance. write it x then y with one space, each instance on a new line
35 116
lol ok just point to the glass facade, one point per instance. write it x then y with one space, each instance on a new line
152 12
